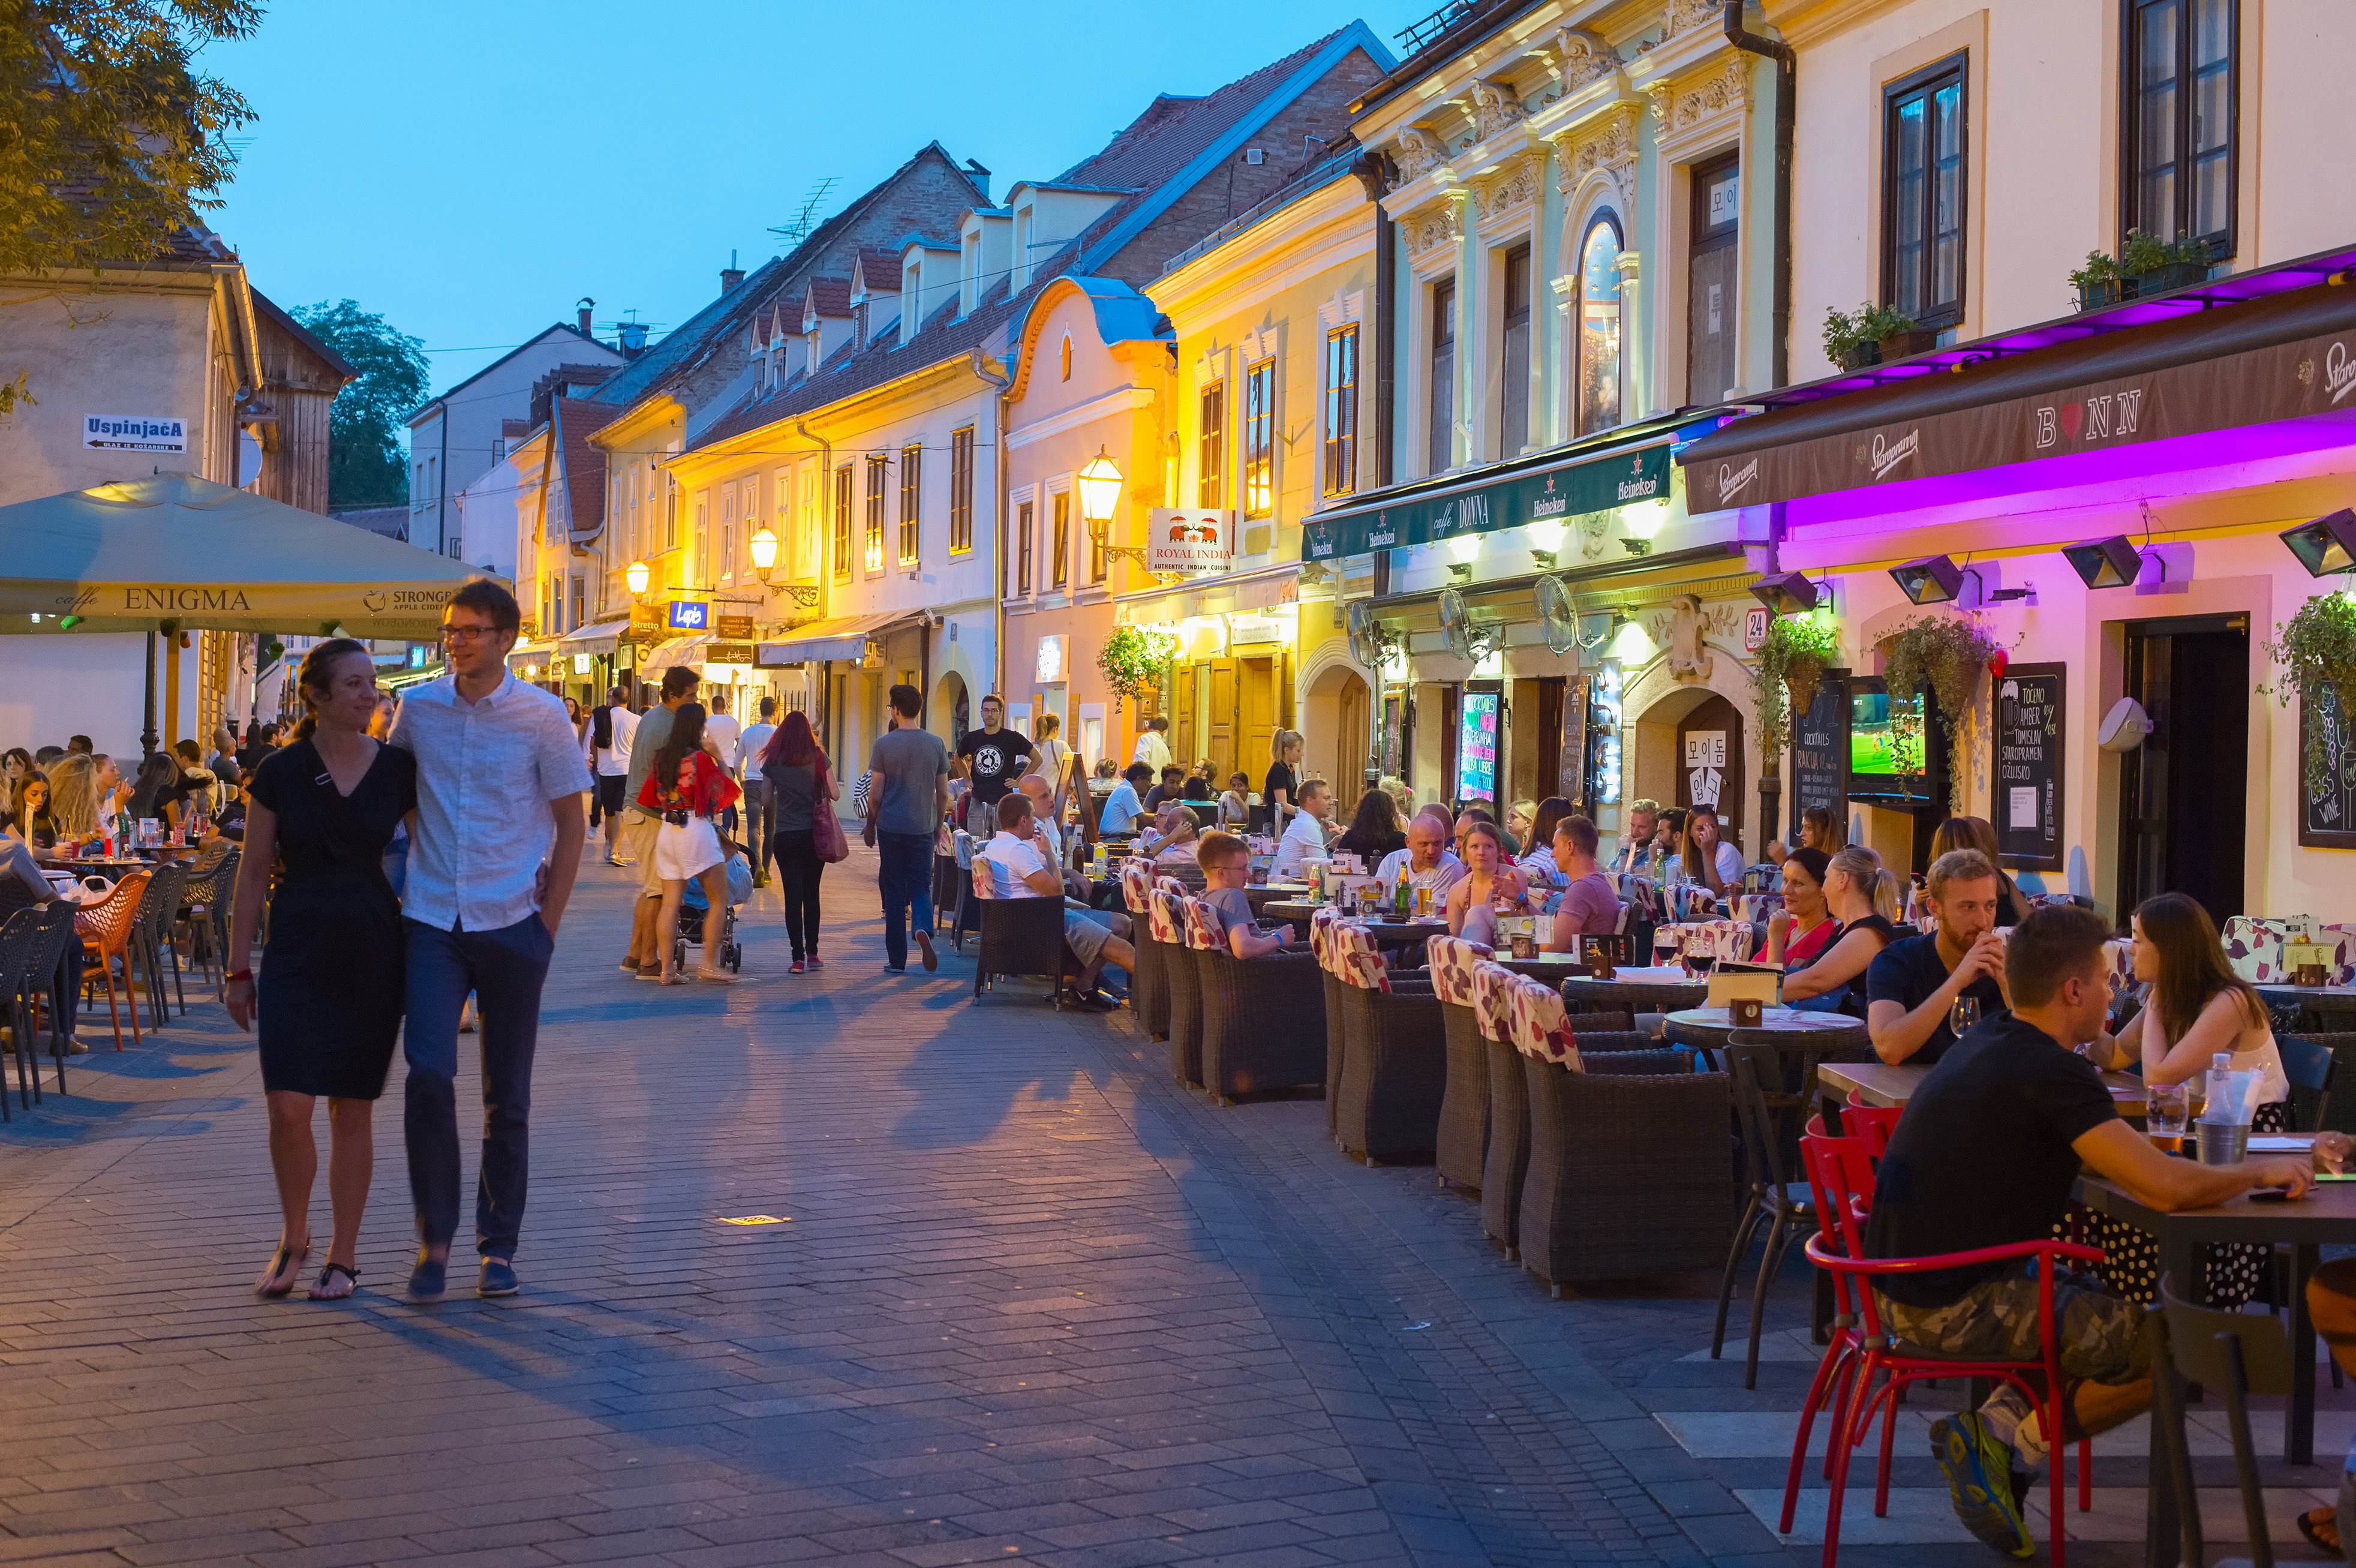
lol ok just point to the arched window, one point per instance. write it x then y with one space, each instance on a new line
1597 344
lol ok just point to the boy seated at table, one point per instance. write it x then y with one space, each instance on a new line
1987 1155
1225 861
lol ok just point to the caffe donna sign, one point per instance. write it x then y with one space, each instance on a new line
1189 541
1536 495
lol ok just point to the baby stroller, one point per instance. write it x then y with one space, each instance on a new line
695 915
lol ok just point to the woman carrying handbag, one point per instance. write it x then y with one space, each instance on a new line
687 788
808 836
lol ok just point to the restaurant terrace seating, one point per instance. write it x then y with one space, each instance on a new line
1507 1155
2253 948
1320 948
1394 1056
1262 1019
1621 1182
1149 990
1167 928
1464 1105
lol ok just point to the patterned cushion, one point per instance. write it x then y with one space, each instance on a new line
1492 1000
2119 961
1542 1025
1171 885
1320 934
1205 931
1756 906
2254 946
1452 959
1357 961
1136 885
1168 924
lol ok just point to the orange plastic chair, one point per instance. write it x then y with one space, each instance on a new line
105 928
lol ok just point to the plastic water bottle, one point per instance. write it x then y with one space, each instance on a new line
2220 1090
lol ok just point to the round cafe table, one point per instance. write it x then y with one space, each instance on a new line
1636 990
2333 1001
1261 895
1814 1034
1551 967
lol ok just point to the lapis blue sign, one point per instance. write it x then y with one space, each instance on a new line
690 614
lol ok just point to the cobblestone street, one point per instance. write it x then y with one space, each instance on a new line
1023 1298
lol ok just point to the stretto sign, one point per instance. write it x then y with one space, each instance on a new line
1539 494
1189 540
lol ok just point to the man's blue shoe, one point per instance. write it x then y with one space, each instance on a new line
498 1278
1978 1465
428 1280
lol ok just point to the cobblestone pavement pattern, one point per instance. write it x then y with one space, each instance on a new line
1026 1300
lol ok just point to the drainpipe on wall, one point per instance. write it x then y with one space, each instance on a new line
1787 66
1771 783
825 666
1004 384
1370 174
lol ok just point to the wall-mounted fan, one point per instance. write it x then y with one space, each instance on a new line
1366 636
1558 614
1455 624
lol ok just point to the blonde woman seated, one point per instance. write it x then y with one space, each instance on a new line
1490 886
1861 895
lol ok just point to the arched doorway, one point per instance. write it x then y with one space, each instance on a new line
1335 721
952 708
1686 747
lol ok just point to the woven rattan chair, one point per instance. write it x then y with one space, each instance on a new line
1321 930
108 928
207 887
1393 1059
20 947
1149 988
1465 1106
158 906
1507 1160
961 899
1022 937
50 987
1624 1179
1263 1023
1167 926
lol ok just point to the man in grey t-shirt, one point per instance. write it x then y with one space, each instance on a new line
907 793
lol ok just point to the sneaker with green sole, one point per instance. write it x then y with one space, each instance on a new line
1978 1467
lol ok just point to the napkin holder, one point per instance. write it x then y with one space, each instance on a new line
2307 963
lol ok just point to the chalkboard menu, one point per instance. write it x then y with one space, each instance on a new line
1820 752
2326 799
2031 738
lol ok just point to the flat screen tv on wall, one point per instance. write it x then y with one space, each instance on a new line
1894 758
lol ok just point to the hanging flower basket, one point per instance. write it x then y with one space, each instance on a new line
1785 674
1944 656
1133 658
2313 649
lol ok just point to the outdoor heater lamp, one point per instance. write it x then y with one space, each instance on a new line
2327 544
1932 580
1786 592
2112 563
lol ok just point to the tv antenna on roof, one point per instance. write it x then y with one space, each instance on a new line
793 233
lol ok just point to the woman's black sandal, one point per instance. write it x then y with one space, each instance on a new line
2307 1527
286 1261
335 1268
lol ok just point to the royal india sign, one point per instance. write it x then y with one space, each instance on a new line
1191 542
1537 495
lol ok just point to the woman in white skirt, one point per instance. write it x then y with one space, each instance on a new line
687 788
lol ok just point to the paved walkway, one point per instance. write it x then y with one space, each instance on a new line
1022 1298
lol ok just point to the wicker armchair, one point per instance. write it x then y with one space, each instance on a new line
1320 947
1262 1020
203 914
1178 966
1464 1105
20 947
1022 937
1623 1178
1507 1160
1149 988
159 904
1394 1058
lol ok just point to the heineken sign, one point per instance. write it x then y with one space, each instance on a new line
1541 495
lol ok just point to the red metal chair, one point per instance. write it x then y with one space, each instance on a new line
1871 1123
1842 1178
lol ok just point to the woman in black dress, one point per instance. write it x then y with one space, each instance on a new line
321 811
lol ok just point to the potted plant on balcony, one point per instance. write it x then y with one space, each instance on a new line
2314 649
2160 266
2099 282
1870 335
1945 656
1789 667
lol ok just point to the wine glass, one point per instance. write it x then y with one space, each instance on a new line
1665 946
1962 1014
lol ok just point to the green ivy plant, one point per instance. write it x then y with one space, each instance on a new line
1944 655
2100 269
1133 658
2147 253
1785 674
1848 334
2313 649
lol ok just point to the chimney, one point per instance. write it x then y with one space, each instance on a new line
582 311
731 275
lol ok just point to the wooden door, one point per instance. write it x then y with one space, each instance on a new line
1185 685
1355 715
1221 723
1547 737
1255 714
1709 762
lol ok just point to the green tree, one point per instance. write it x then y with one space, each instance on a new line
365 463
110 138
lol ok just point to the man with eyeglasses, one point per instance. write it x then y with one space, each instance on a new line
498 844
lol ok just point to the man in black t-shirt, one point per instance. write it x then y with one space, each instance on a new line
993 756
1986 1155
1172 778
1911 985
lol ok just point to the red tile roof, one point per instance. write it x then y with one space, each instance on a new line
831 296
585 463
879 269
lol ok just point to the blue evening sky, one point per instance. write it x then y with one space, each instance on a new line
471 170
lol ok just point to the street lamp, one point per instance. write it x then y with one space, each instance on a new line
764 547
636 574
1099 485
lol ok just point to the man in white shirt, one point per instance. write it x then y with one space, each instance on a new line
721 734
1015 865
1426 859
1153 745
1721 862
497 846
1306 835
618 724
757 790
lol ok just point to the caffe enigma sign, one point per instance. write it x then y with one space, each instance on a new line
1541 495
